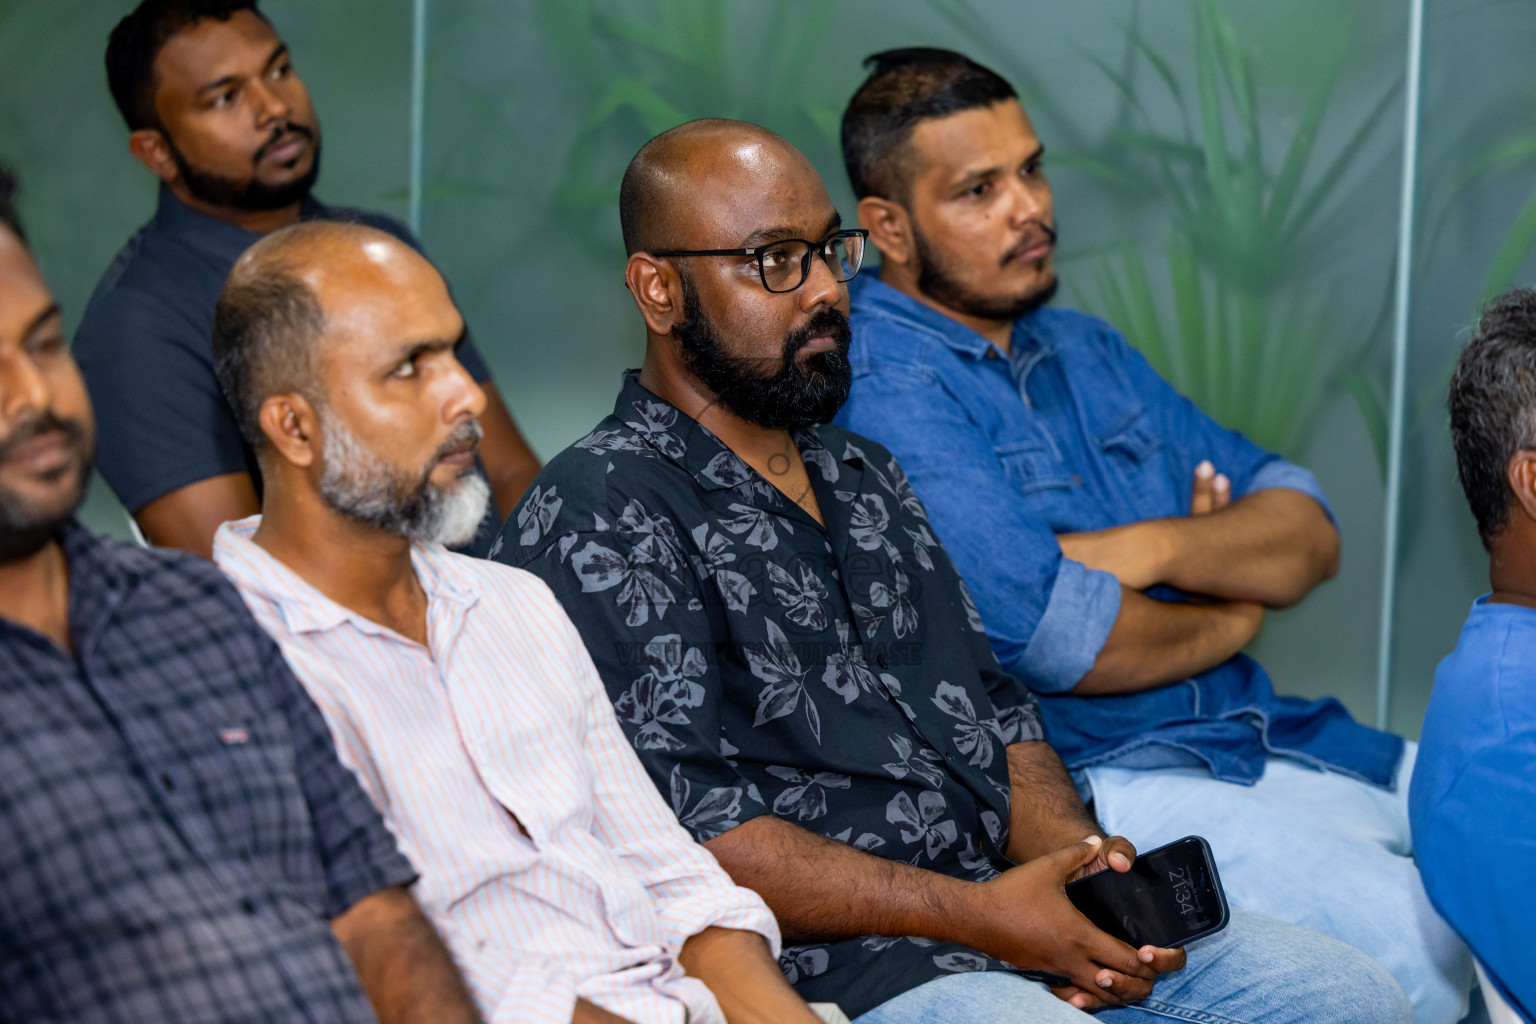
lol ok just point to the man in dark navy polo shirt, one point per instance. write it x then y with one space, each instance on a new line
181 841
217 112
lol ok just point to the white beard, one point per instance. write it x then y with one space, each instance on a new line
362 485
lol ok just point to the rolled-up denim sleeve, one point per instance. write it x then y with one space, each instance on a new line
1291 477
1079 614
1045 616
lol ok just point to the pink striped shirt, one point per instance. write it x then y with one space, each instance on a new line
506 713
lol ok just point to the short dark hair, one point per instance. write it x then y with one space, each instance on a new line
8 188
264 331
137 41
1492 402
905 87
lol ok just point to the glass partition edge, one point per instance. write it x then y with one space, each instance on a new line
1403 290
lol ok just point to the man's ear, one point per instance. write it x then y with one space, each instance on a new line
1521 475
890 229
657 291
150 148
292 428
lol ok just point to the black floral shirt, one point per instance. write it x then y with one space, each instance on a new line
836 677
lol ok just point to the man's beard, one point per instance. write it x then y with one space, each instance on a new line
217 190
26 525
790 397
937 280
364 487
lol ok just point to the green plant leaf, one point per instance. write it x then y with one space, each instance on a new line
828 119
624 93
1512 254
1314 204
1373 412
1089 165
1212 128
647 37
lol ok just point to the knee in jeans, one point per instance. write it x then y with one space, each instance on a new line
1377 997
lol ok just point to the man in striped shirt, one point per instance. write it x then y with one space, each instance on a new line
458 690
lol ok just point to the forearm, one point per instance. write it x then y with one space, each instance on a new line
1271 547
1046 812
401 962
746 981
1154 643
189 517
822 890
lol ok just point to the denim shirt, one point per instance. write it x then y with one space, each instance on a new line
1074 431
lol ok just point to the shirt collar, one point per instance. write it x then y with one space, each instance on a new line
222 239
691 445
304 608
873 293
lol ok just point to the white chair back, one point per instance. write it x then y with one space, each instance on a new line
1499 1011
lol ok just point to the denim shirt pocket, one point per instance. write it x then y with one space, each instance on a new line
1042 479
1134 451
1032 466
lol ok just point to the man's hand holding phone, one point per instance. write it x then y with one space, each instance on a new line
1025 918
1115 854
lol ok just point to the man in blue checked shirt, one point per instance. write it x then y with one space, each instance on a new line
180 842
1085 502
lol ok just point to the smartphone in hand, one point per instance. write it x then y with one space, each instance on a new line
1170 897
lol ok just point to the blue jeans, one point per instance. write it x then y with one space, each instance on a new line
1255 971
1316 849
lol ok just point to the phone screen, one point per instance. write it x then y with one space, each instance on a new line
1170 896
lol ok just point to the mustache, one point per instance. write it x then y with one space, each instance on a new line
1029 241
467 433
42 425
827 322
279 136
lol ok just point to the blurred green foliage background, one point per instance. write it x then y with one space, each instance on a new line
1227 180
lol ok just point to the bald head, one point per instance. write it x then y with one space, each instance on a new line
296 289
689 176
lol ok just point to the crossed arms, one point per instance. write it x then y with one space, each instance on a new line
1265 550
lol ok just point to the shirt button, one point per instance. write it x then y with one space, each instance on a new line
880 660
168 782
248 905
1077 481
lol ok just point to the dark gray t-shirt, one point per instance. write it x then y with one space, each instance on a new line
145 347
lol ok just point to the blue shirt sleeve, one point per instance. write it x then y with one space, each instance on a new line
1475 849
161 421
1047 617
1291 477
1472 801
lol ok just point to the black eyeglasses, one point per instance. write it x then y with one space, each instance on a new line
784 265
